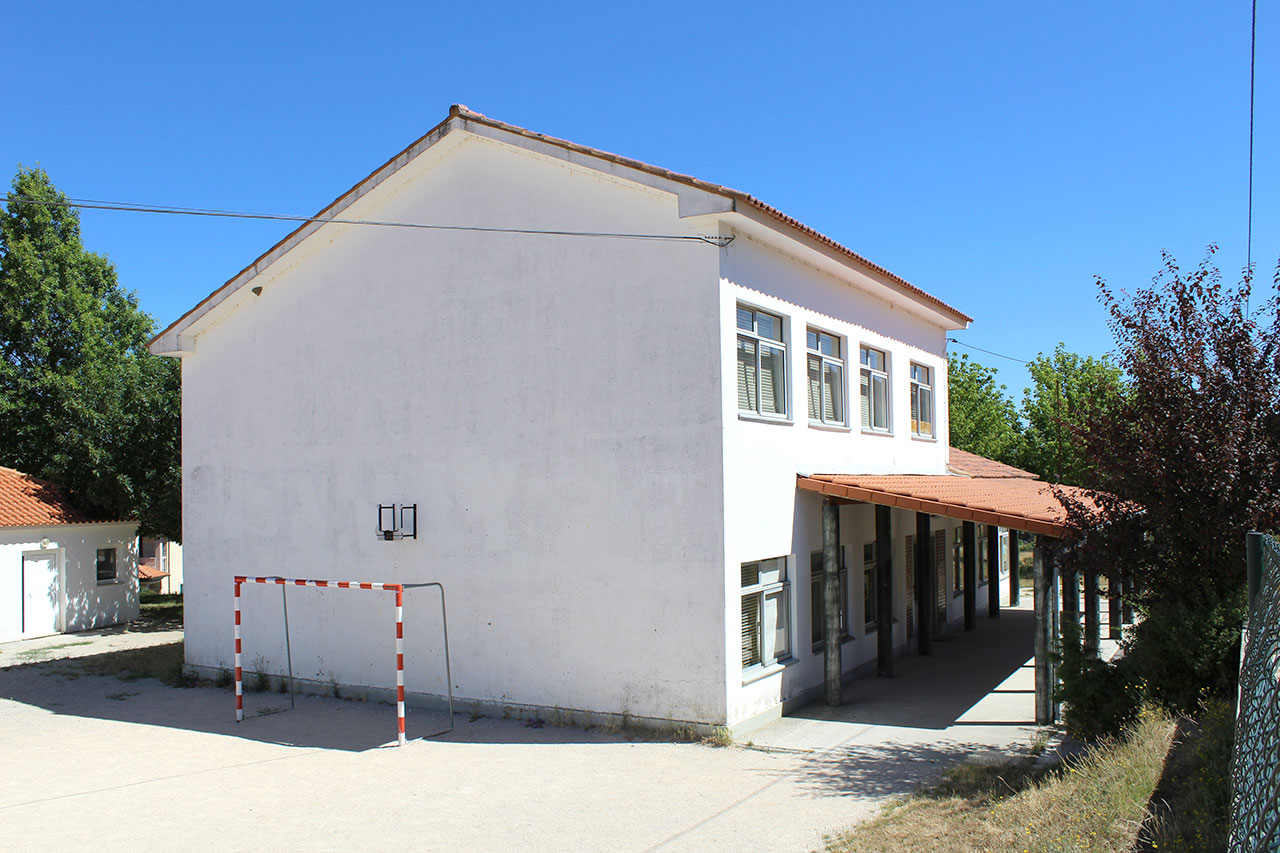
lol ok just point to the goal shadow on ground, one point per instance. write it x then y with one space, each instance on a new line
111 686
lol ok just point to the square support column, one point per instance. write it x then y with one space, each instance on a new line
1015 582
970 534
1113 605
831 602
1092 615
884 592
993 572
926 595
1045 610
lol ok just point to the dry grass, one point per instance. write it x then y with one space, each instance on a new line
1096 803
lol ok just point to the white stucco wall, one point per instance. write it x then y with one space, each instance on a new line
552 405
81 601
764 514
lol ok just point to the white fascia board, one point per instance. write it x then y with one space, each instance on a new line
758 226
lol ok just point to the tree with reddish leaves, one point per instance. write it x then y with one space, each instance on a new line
1194 441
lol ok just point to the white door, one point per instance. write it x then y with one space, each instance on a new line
40 593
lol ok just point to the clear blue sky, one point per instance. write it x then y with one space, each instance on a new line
999 155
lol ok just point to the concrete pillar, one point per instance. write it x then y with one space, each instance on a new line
1092 615
884 592
1113 605
831 601
1045 610
1126 599
970 534
926 595
993 572
1015 582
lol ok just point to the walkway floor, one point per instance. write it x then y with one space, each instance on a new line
95 761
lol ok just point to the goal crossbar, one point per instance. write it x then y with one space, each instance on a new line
396 588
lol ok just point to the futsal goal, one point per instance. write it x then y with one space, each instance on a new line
398 589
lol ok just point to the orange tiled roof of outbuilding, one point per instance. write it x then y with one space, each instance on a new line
27 501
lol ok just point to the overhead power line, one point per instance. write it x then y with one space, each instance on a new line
987 351
95 204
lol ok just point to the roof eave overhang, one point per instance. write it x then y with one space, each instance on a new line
857 494
696 198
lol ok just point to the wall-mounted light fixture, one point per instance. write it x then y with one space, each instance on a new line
397 521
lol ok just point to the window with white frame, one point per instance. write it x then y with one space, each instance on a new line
921 401
826 378
106 565
766 628
762 363
817 616
875 390
869 594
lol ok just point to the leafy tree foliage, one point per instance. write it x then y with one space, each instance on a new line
983 418
82 401
1194 442
1067 393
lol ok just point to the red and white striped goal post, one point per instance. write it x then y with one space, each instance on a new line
398 589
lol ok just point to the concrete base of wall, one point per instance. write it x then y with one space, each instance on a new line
556 716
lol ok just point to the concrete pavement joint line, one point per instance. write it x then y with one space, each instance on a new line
158 779
712 817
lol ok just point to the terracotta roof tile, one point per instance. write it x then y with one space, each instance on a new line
27 501
972 465
1021 503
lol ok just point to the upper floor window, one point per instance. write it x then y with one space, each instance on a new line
762 363
921 400
826 378
875 390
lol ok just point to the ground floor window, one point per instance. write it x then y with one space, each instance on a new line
869 613
983 561
766 629
106 565
816 618
957 561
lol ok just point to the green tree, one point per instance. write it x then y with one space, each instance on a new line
82 401
1195 443
983 418
1067 393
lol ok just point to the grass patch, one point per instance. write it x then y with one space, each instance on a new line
27 655
1096 802
1191 807
158 612
160 662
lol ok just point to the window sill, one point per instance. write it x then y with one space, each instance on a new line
765 419
931 439
825 427
755 674
883 432
115 582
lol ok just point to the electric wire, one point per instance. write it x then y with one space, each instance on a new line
987 351
1253 58
95 204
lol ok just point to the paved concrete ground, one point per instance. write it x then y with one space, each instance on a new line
95 761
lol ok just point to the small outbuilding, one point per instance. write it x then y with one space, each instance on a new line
61 569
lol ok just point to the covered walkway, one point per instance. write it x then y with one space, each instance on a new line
985 496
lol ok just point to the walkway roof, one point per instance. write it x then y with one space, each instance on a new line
978 489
